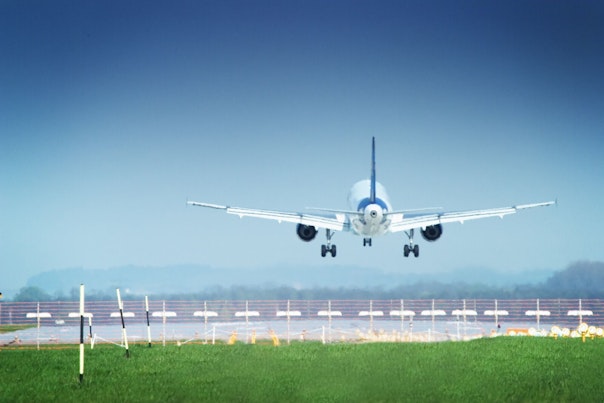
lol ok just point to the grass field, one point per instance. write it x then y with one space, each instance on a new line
13 328
503 369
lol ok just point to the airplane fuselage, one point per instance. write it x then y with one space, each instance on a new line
373 221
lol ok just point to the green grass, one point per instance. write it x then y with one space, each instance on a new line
13 328
503 369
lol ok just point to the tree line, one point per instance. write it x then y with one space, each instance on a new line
579 280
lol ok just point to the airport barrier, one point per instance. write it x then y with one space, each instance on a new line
301 319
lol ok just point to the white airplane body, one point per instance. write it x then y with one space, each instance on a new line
370 215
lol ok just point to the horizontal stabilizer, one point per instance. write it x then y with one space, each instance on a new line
336 211
416 210
351 212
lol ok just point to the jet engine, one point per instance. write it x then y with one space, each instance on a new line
432 233
306 232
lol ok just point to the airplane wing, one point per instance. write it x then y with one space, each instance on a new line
333 221
404 222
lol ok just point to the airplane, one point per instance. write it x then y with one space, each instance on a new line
371 215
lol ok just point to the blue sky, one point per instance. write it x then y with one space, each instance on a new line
113 113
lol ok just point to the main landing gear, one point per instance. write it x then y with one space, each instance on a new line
329 248
411 248
366 241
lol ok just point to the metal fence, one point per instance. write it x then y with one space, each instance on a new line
327 320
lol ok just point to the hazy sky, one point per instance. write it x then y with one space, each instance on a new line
113 113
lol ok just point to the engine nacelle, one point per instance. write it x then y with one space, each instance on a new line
432 233
306 232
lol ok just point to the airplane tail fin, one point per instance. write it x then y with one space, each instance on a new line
372 190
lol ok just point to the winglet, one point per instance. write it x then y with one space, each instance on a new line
372 194
210 205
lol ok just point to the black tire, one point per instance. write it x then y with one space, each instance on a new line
333 251
323 250
406 250
416 251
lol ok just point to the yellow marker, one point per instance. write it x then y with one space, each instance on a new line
274 338
583 330
233 337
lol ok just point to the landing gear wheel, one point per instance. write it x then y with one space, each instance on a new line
329 248
411 248
325 249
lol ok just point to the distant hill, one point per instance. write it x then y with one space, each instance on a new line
195 278
588 277
578 280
